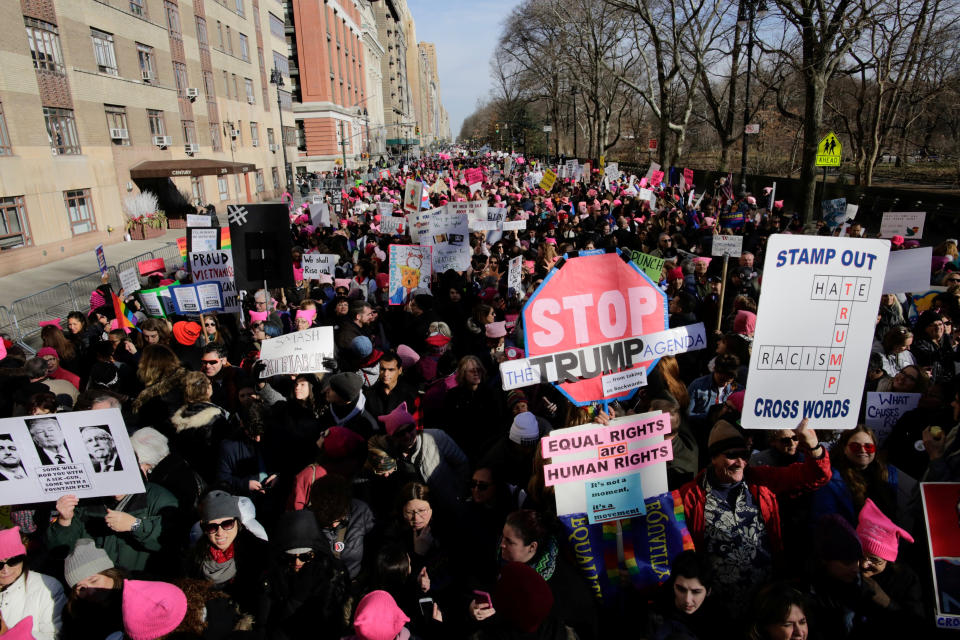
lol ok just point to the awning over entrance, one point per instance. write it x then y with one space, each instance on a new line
192 167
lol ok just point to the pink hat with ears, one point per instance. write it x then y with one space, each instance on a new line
23 630
309 228
408 357
11 545
152 609
309 314
397 418
378 617
258 316
50 323
878 535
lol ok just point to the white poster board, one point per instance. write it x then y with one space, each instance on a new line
216 266
83 453
885 408
514 225
391 225
815 323
204 239
320 214
729 245
129 280
412 195
198 220
908 271
315 264
418 225
475 210
908 224
297 352
515 277
449 235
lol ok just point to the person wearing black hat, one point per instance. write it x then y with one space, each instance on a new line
305 592
347 405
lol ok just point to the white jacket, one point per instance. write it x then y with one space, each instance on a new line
36 595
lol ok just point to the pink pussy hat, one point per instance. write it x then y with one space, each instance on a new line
878 535
151 610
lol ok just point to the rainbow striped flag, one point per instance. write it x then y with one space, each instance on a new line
125 318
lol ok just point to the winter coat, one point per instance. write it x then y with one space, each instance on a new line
897 499
253 559
305 603
199 428
155 405
346 541
240 461
38 595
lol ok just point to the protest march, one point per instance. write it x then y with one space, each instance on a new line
478 395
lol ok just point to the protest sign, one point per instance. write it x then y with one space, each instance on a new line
216 266
410 268
475 210
196 298
515 277
908 271
507 166
157 303
129 280
412 194
391 225
203 239
418 226
199 220
941 504
591 301
834 212
297 352
814 331
101 259
473 175
84 453
727 245
615 498
908 224
449 235
316 198
549 177
385 209
320 214
316 264
514 225
155 265
688 178
884 408
650 265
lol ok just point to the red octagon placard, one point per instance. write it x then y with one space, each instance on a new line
582 319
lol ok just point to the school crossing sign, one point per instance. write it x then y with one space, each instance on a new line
829 151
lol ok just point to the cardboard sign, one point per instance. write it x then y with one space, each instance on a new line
507 166
814 331
591 301
418 226
197 298
216 266
410 268
412 195
297 352
908 224
101 259
908 271
391 226
615 498
727 245
320 214
316 264
84 453
650 265
146 267
514 225
129 280
475 210
449 235
940 500
884 408
549 178
199 220
515 277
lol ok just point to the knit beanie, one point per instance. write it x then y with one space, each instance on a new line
496 329
397 418
362 346
378 617
522 597
514 397
23 630
735 400
408 357
186 333
11 545
835 539
84 561
877 533
745 322
723 437
151 610
297 532
346 385
340 442
219 504
525 430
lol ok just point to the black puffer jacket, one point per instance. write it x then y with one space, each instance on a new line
199 428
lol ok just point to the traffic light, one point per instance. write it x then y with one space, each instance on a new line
416 131
498 127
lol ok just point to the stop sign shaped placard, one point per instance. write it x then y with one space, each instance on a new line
583 320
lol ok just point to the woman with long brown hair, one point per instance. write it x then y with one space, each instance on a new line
162 375
53 337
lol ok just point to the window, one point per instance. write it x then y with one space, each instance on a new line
220 34
226 83
215 141
208 85
248 83
180 75
103 51
301 136
254 133
5 147
157 125
281 62
236 183
80 211
271 140
44 41
236 87
13 223
260 185
138 7
229 41
202 32
62 131
239 5
117 125
276 26
244 48
223 188
148 70
173 18
196 186
189 132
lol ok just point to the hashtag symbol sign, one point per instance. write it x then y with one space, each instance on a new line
237 215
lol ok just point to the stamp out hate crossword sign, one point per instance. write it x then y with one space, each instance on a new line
815 324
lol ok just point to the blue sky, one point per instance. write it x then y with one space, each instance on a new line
465 33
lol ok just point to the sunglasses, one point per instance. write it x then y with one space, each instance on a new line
786 440
302 557
866 447
209 324
12 562
226 525
479 485
743 454
209 362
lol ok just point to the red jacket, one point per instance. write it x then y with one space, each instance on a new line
764 483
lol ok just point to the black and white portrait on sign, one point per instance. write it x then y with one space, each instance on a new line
101 448
49 439
11 466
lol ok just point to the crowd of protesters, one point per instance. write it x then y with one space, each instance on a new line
401 495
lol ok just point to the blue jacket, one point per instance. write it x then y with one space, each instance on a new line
704 394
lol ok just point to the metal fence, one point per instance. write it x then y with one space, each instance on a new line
28 312
82 286
171 256
8 325
132 262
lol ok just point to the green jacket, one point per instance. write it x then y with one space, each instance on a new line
134 551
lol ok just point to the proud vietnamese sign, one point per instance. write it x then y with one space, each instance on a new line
589 301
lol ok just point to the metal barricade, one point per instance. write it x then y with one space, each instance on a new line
8 325
82 286
132 262
171 256
28 312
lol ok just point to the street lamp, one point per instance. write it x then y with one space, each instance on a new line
749 9
277 78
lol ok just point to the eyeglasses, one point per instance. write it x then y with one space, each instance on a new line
950 280
862 447
479 485
743 454
226 525
418 512
786 440
210 362
12 562
302 557
209 324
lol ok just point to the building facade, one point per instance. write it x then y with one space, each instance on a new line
90 90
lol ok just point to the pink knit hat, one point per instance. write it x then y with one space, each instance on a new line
258 316
397 418
745 322
378 617
408 357
11 545
878 534
496 329
23 630
735 400
152 609
309 314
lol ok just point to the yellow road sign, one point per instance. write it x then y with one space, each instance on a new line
829 151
